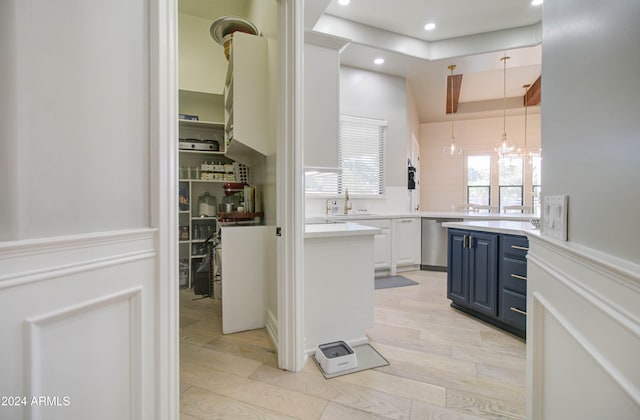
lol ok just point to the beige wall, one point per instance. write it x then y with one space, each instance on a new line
442 178
202 66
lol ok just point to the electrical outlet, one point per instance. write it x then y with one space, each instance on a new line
554 216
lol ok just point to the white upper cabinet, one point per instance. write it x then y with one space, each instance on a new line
321 99
247 128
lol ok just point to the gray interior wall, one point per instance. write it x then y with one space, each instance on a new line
63 84
376 95
590 123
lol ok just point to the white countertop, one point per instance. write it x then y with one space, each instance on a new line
511 227
331 218
332 230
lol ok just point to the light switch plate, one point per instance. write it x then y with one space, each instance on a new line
554 216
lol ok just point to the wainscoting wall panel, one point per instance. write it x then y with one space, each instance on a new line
583 335
77 326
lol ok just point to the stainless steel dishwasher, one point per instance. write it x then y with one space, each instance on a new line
434 244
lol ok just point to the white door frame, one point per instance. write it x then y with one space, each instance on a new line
290 200
163 29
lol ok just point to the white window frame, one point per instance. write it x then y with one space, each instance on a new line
495 182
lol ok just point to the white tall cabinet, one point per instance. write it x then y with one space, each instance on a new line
321 99
246 100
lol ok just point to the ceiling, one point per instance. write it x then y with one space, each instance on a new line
472 34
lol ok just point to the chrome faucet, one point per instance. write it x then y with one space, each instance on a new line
347 205
327 206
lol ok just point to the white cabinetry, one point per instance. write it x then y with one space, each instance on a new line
397 247
338 288
406 241
382 241
246 100
245 265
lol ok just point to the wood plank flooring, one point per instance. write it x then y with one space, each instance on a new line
443 365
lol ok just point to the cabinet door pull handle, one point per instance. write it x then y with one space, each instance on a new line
464 241
470 241
405 221
518 311
516 276
521 248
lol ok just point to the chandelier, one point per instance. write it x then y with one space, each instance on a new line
504 146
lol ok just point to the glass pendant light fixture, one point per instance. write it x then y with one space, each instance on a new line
452 149
505 146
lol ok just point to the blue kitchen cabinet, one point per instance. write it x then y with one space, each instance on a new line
473 272
458 271
486 277
513 282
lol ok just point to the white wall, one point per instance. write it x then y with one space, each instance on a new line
375 95
202 66
443 178
88 286
63 157
591 129
582 294
264 13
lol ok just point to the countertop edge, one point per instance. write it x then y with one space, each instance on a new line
337 230
332 218
509 227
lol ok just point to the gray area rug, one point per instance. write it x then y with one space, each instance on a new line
393 281
368 358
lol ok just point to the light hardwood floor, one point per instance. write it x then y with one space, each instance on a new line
443 365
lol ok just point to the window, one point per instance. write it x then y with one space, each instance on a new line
536 183
479 179
360 159
361 155
510 180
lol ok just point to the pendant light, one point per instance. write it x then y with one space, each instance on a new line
452 149
504 146
525 152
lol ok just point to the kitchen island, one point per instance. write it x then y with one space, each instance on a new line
338 283
487 271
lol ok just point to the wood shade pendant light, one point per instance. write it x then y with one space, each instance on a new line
525 152
504 147
452 149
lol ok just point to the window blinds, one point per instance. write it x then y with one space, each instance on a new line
361 155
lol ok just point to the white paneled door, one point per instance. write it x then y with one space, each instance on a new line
88 292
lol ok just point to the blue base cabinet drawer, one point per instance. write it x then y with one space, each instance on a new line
514 275
514 309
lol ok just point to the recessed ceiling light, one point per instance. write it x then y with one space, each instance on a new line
343 2
536 2
379 61
430 26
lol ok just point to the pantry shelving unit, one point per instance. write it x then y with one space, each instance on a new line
195 228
